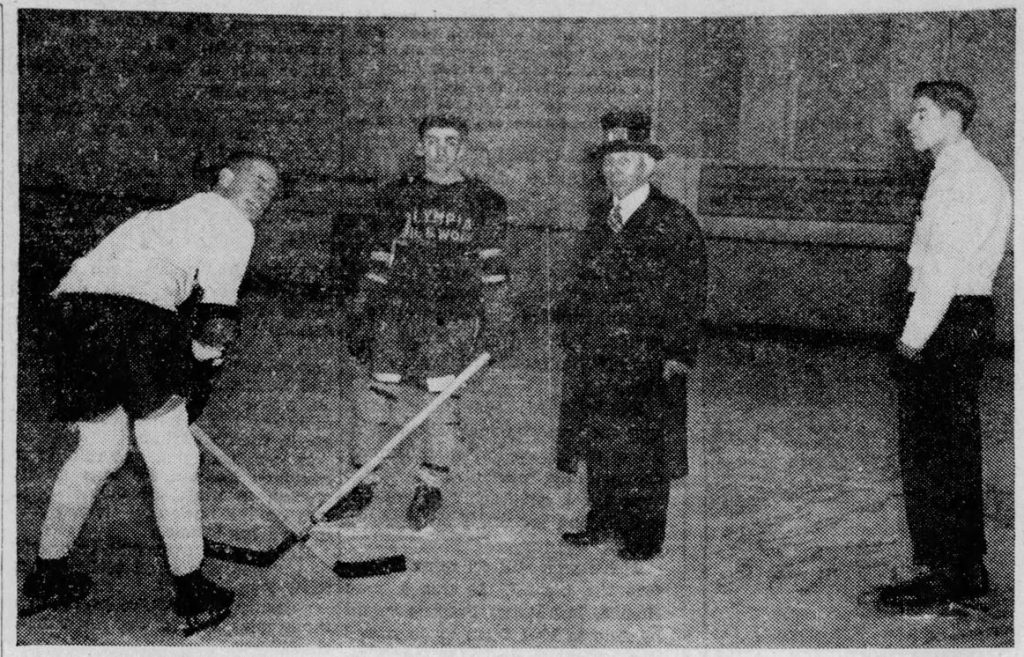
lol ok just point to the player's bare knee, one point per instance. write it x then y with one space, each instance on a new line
99 463
102 444
166 444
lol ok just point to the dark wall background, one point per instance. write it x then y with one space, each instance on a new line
117 110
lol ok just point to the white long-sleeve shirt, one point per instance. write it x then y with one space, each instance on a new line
960 238
158 256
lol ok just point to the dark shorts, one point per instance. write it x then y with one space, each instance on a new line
111 351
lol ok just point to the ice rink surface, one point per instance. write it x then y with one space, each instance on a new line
791 508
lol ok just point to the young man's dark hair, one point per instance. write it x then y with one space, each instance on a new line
950 96
236 159
443 121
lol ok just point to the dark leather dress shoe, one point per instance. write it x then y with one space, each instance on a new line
932 588
587 537
927 590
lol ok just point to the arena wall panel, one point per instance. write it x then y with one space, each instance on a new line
138 105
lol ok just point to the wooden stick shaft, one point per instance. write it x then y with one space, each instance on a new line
246 479
402 434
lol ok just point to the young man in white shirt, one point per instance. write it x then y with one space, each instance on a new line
957 246
125 357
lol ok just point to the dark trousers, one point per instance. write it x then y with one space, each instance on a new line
940 440
633 508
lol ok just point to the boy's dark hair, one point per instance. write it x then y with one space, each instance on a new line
443 121
949 95
236 160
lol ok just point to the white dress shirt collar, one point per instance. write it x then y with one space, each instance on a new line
629 203
953 153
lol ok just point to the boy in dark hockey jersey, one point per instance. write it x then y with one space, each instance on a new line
436 285
125 358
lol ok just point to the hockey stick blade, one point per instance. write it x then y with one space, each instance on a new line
266 558
370 568
248 556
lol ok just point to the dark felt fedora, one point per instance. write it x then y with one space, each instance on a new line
628 131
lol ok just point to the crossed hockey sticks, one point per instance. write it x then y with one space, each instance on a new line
301 533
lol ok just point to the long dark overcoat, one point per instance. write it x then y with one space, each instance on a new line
637 300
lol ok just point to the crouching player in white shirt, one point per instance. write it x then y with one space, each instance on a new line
124 357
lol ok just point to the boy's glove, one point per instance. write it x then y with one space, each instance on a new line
361 316
498 335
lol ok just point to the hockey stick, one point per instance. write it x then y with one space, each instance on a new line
265 558
252 556
368 467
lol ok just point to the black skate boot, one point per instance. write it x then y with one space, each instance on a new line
52 585
352 504
426 500
200 603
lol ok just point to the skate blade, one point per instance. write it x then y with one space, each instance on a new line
420 525
55 603
974 608
195 624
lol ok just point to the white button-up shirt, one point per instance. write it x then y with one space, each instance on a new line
158 256
629 203
960 238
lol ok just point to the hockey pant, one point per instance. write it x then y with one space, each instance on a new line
414 359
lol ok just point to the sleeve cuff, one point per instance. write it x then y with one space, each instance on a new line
207 311
925 315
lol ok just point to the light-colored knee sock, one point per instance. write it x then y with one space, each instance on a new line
172 458
102 447
375 410
443 431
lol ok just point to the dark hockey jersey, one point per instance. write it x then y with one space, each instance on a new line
437 247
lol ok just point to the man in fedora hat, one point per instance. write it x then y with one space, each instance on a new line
630 324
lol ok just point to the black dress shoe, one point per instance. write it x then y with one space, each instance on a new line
971 582
900 574
587 537
930 589
637 555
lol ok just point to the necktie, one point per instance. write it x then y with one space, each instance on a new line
615 218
